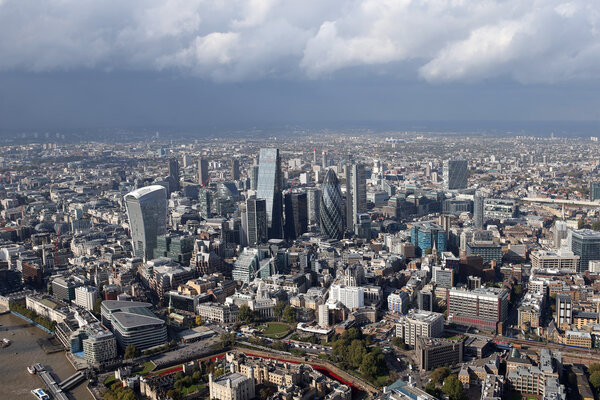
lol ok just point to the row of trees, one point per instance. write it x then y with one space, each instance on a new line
32 315
451 386
282 311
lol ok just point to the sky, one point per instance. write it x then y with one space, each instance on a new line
197 64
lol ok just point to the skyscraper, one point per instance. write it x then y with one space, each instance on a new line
332 207
325 161
254 177
313 199
478 210
455 174
235 169
256 225
147 214
269 188
595 191
358 185
296 215
586 244
349 217
202 172
174 174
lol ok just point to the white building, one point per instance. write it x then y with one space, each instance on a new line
232 386
323 312
85 296
350 296
419 324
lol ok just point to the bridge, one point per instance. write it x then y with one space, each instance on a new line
72 381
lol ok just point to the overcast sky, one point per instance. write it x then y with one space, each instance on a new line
189 63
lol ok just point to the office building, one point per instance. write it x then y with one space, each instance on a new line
483 308
269 185
398 302
313 200
499 209
33 275
564 310
133 323
216 312
478 211
325 159
332 207
85 296
488 250
419 324
443 277
425 300
350 296
202 172
455 174
253 177
99 344
174 175
424 234
231 386
147 215
594 191
256 221
586 244
434 352
358 190
235 169
64 288
296 215
246 265
560 259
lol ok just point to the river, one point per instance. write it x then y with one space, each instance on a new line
15 381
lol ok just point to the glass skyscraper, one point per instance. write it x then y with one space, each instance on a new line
332 207
296 215
455 174
147 214
585 243
256 221
269 188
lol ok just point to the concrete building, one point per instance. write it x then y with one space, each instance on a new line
85 296
350 296
133 323
433 353
419 324
483 308
224 313
398 302
232 386
564 310
488 250
560 259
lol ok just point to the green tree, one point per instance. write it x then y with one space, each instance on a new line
439 374
289 314
593 368
97 305
432 389
227 339
356 353
453 388
595 379
131 352
596 226
580 224
518 290
246 314
279 308
399 343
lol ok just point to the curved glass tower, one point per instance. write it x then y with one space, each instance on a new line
269 188
332 207
147 214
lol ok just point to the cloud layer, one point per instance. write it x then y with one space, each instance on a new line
535 41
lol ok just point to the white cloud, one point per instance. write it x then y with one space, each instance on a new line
235 40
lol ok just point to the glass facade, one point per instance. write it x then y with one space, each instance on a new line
332 207
296 215
256 214
455 174
269 188
147 214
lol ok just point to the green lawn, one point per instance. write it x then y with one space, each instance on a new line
191 389
276 330
109 380
148 367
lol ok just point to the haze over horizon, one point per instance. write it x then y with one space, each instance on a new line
265 63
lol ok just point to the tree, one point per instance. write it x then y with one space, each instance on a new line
439 374
357 352
97 305
278 309
131 352
453 388
518 290
580 224
432 389
596 226
289 314
399 343
246 314
595 379
227 339
593 368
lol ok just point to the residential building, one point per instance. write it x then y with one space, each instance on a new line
350 296
419 324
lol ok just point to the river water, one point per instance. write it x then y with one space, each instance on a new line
15 381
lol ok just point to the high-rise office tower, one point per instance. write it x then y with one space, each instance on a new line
455 174
205 197
147 214
585 243
478 210
314 156
313 199
358 185
269 188
349 218
256 221
202 172
235 170
595 191
332 207
296 215
325 160
174 174
253 177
